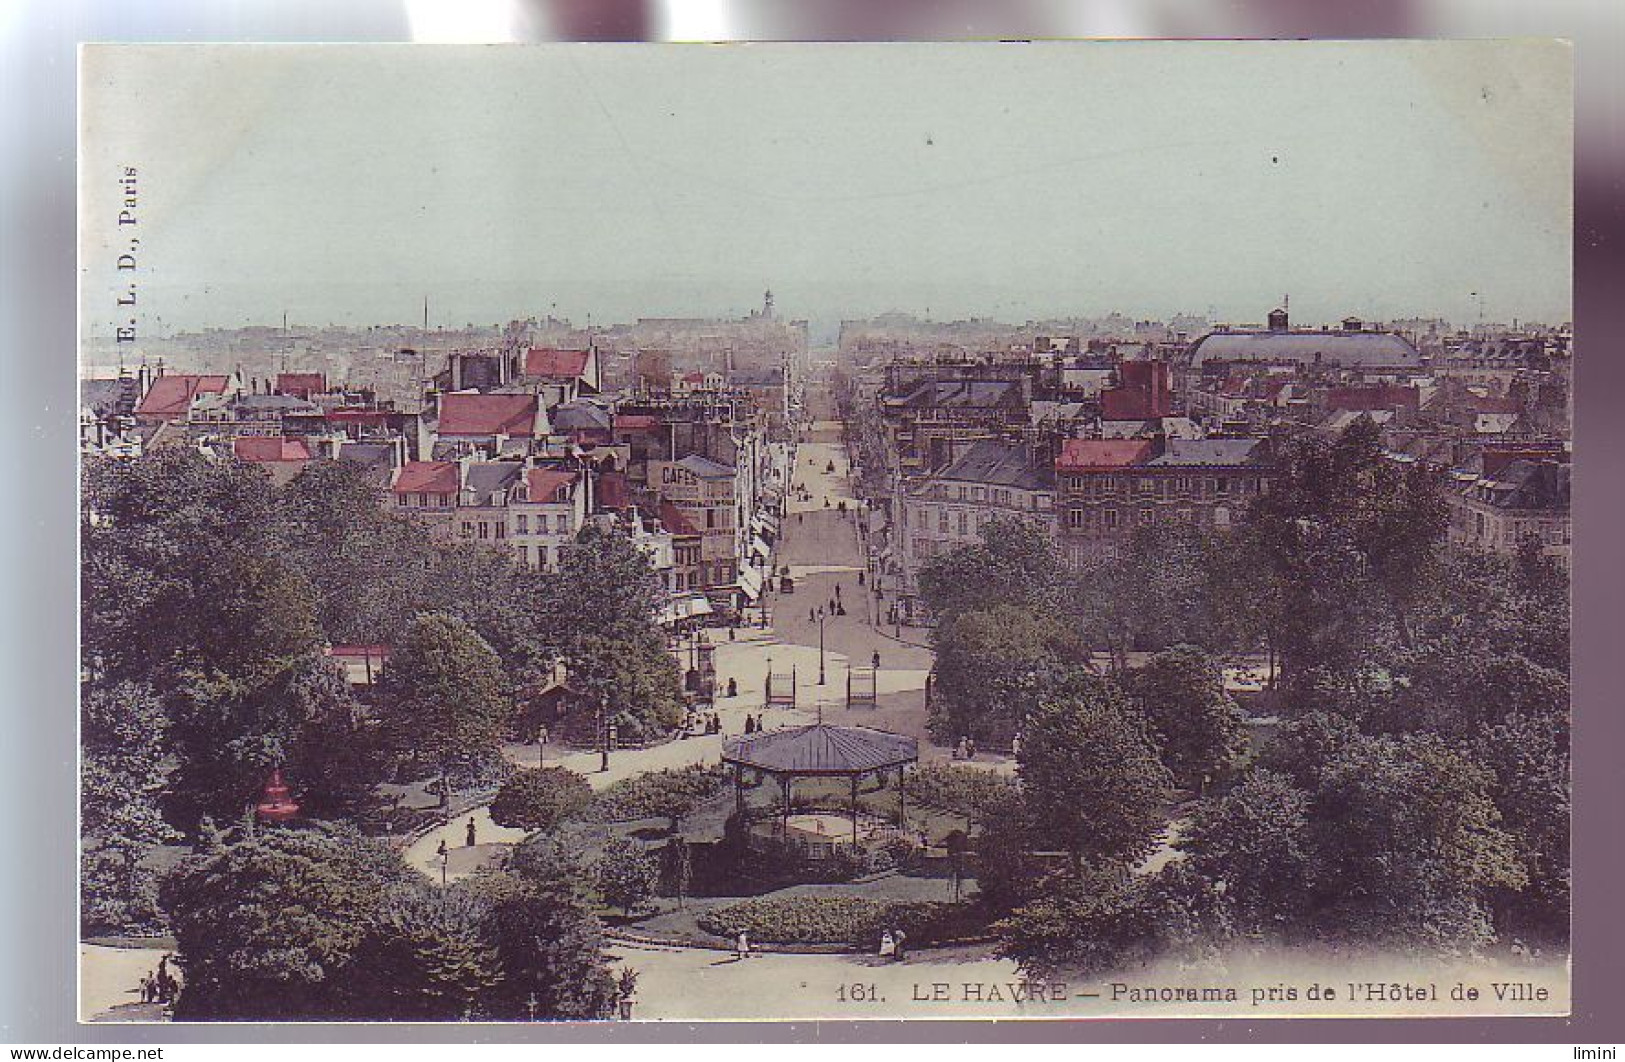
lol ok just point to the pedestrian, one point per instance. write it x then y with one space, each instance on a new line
899 939
733 688
888 945
1015 746
742 946
471 831
961 750
750 727
876 660
832 604
837 592
149 988
440 852
811 616
970 748
860 578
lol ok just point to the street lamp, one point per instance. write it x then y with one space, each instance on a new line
603 733
821 618
541 747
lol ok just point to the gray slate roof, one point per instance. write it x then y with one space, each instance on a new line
706 468
488 478
822 749
1208 452
1342 348
1004 464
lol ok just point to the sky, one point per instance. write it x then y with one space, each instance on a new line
345 184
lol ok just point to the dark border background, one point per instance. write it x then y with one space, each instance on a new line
38 420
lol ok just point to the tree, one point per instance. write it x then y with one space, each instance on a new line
551 951
627 874
632 678
540 799
369 566
121 783
425 955
1082 924
1198 725
1255 840
1408 845
1091 780
992 666
1013 564
267 923
444 698
607 587
1529 757
174 549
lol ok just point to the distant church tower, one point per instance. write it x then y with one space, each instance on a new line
767 305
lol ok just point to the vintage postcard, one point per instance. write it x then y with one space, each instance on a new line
637 533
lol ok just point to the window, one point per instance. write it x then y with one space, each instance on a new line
1075 517
1222 485
502 530
1111 519
485 530
1221 516
710 519
403 499
468 527
963 521
942 521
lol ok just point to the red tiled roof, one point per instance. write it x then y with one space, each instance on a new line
300 384
544 484
675 521
428 477
475 414
566 364
637 422
171 396
1493 404
270 449
1084 455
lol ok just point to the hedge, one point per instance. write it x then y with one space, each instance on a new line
854 920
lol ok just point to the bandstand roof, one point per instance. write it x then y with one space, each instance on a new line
822 749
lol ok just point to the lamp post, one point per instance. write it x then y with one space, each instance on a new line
541 748
821 618
603 733
445 858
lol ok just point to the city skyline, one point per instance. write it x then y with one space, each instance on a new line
1018 182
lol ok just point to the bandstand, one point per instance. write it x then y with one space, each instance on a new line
822 750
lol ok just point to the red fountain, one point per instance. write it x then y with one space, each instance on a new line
276 805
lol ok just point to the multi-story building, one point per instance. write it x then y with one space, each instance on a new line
987 479
703 492
1109 487
546 510
1513 500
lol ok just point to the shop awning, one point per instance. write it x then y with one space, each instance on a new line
688 606
760 548
750 582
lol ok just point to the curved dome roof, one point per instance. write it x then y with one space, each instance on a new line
1305 348
822 749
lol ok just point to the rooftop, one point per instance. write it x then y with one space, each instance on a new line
171 396
1004 464
822 749
1210 452
1089 455
556 364
428 477
1304 348
463 413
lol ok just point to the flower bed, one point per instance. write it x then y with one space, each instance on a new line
850 920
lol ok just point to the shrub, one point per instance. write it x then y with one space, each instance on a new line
668 794
540 799
853 920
